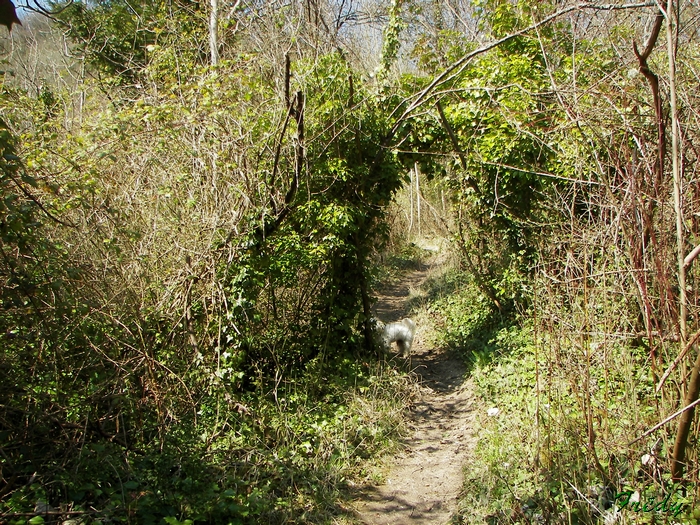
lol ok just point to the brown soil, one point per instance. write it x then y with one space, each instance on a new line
423 482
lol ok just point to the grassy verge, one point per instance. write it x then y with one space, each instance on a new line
559 413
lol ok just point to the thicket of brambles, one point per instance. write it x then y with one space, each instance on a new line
573 168
193 195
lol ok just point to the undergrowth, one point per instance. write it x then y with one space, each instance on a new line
463 317
396 261
558 420
287 456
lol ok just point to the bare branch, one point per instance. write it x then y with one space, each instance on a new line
456 69
36 7
677 360
691 257
669 418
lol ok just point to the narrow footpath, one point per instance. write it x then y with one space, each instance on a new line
423 483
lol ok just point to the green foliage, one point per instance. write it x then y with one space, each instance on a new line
176 320
273 460
391 42
557 219
466 318
447 48
327 237
534 460
184 272
116 35
496 129
557 449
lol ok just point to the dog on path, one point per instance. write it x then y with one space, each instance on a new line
400 332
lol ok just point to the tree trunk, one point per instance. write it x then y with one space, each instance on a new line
684 422
417 170
686 419
214 32
410 200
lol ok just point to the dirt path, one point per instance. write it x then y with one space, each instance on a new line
423 484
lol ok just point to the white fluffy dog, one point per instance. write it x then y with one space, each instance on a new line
400 332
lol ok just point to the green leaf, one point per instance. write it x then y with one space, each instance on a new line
29 180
